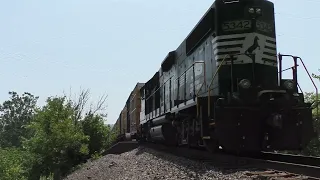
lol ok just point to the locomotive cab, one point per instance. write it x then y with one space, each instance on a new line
256 109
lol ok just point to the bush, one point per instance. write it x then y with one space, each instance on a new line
51 141
60 143
15 164
94 127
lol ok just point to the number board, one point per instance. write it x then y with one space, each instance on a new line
265 27
239 25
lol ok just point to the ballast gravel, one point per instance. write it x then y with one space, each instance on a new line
148 164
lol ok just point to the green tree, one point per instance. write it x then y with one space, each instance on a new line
316 76
94 127
15 114
53 139
59 142
92 121
311 97
314 146
81 107
114 134
15 164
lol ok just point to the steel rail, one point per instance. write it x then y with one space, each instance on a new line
291 158
289 165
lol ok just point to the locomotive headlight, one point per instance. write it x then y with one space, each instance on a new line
251 10
288 85
245 84
258 11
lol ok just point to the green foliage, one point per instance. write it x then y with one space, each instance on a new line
316 76
51 141
95 156
94 127
15 164
313 148
56 138
114 134
312 98
15 114
50 177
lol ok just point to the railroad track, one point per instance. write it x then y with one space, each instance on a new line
264 166
290 158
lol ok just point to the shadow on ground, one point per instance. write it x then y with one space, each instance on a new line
190 167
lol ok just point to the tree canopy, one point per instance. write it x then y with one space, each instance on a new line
51 140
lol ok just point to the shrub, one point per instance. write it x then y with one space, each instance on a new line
57 139
94 127
15 164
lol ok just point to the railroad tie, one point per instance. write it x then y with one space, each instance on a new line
274 175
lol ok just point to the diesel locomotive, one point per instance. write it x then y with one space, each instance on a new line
223 87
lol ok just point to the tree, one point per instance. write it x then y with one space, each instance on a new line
15 164
314 146
316 76
311 97
51 139
99 133
15 114
59 142
92 121
80 105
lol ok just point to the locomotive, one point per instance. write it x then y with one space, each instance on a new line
223 87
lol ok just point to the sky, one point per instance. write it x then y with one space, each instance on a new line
107 46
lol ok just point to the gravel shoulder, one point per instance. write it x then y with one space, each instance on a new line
144 163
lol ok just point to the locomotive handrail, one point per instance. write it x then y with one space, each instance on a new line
159 87
196 62
299 87
288 68
213 77
295 78
292 68
317 96
204 74
225 57
193 64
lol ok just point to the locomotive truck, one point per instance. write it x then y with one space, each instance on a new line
223 87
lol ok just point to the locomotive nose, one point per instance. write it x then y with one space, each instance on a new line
275 120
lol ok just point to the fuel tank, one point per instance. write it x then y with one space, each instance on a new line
164 133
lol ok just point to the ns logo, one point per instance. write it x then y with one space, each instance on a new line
252 46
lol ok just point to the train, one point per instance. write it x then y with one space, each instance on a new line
128 122
223 88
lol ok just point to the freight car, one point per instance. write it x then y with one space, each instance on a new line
223 86
128 123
